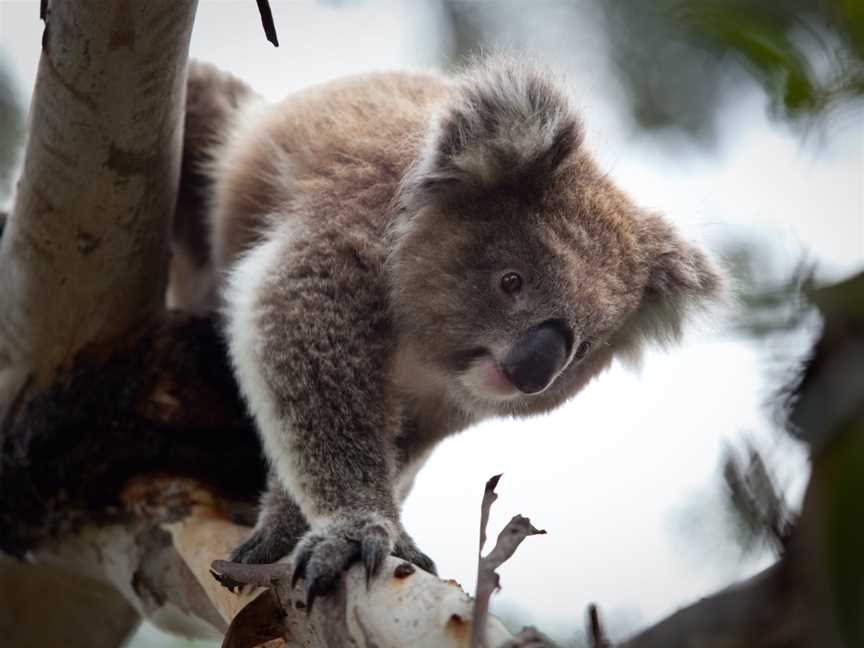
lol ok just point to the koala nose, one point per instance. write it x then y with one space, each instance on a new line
537 356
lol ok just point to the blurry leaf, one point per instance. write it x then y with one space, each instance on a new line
679 59
762 42
757 504
674 55
769 304
830 394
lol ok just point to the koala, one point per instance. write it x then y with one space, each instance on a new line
396 257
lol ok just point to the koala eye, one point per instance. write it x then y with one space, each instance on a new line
582 349
511 283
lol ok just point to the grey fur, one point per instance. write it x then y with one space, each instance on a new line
365 226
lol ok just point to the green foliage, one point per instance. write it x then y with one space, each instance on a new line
678 57
761 39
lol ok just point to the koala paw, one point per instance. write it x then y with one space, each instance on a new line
322 555
267 544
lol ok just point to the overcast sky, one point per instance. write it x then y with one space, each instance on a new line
624 478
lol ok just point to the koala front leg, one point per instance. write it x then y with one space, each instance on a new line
311 343
280 526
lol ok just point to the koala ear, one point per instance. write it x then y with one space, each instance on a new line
682 281
505 126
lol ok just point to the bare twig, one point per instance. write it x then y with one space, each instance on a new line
595 629
489 497
488 580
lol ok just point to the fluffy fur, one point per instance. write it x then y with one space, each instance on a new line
214 99
363 228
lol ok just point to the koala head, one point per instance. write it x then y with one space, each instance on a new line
518 269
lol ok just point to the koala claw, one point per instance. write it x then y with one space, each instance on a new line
375 547
323 555
407 550
319 560
265 545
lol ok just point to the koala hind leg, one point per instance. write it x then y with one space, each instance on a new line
280 526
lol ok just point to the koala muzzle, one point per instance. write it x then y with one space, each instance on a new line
537 356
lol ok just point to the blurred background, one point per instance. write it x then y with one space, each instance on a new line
743 121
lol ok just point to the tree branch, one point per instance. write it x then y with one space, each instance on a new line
401 607
84 256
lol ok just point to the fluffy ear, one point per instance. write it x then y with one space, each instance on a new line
506 127
681 282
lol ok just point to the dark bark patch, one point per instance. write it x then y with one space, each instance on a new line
87 243
122 28
126 163
67 453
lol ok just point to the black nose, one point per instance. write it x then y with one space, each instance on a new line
537 356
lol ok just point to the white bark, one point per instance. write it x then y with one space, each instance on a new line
84 254
166 578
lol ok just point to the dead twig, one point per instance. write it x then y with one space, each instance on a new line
595 629
488 580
